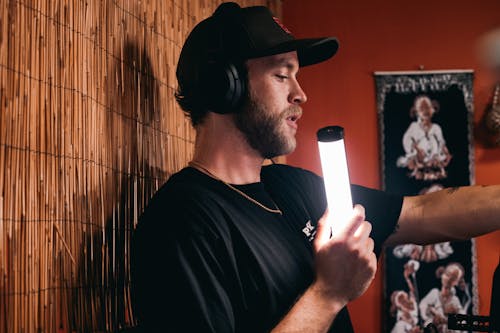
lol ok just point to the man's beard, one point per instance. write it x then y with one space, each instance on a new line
264 130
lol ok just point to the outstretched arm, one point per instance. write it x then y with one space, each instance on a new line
450 214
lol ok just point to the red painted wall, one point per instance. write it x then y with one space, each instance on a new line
385 36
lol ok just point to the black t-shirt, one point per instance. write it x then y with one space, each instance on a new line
207 259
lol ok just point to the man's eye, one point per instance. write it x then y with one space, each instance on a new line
281 76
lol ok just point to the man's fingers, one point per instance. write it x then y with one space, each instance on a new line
370 244
323 231
363 230
354 222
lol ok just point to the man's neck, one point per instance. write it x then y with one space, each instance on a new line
225 153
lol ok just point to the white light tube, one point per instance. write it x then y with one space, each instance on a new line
336 176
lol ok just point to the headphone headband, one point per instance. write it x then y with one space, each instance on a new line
222 81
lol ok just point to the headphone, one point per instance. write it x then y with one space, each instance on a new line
222 82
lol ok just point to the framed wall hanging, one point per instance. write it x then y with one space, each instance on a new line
426 126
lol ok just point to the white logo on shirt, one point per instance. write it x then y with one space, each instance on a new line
309 230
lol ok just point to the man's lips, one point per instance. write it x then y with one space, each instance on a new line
293 116
292 122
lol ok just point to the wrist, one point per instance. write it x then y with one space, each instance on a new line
314 311
328 298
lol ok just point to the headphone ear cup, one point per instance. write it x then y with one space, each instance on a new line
236 87
223 87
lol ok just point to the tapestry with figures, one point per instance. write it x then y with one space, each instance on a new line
425 122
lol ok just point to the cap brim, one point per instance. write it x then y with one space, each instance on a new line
315 50
310 51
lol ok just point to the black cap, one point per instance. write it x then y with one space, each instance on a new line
239 34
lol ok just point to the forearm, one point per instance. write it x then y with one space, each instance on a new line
313 312
451 214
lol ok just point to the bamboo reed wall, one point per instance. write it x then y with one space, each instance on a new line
89 131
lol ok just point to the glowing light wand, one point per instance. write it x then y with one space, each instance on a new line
336 175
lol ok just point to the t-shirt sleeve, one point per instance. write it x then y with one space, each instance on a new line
382 208
177 278
382 211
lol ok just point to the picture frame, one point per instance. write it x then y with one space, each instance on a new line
426 144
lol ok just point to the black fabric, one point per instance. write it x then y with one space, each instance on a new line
205 259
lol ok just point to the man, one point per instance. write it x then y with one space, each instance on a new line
230 246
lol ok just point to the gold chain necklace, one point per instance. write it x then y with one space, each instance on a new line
201 168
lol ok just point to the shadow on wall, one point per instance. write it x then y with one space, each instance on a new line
130 139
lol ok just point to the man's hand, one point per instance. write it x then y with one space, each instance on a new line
345 264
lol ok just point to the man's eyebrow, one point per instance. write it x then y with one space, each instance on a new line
284 62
